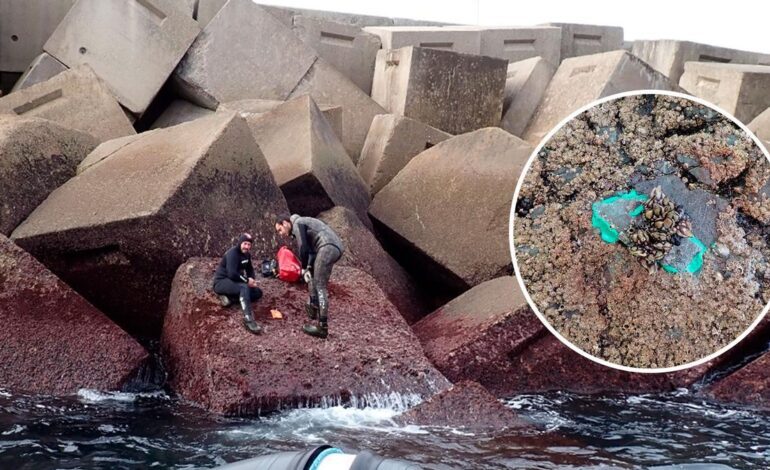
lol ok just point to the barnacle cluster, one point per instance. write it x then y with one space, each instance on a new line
663 224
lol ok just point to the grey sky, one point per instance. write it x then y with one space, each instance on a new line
738 24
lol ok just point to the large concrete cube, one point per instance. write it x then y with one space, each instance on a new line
524 88
41 69
518 43
36 157
25 25
326 85
132 46
308 160
458 39
54 341
581 80
392 141
668 56
118 243
741 90
453 92
370 353
447 211
347 48
75 98
586 39
266 61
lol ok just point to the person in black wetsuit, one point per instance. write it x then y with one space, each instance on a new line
234 281
319 248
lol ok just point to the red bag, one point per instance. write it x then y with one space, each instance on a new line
289 269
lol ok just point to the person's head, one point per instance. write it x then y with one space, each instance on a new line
245 241
283 225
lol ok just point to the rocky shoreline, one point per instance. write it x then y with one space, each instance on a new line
113 218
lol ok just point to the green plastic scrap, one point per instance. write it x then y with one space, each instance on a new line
610 235
608 232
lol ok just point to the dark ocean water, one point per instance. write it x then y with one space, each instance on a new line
133 431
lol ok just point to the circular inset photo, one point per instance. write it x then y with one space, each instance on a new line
640 231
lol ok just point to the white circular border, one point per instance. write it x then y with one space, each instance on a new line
513 215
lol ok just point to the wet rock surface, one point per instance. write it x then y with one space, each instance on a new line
466 405
212 360
593 292
54 341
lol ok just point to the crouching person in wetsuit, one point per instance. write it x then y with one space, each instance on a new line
234 281
319 248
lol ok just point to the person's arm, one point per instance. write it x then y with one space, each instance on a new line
250 270
233 267
304 246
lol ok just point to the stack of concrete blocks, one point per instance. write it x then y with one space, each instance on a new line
450 38
586 39
179 111
106 34
581 80
77 99
207 9
25 25
668 57
289 69
741 90
525 86
450 91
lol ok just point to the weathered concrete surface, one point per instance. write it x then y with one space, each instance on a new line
450 206
248 108
327 85
106 35
392 141
668 56
460 39
54 341
347 48
41 69
25 26
471 337
36 157
581 80
308 162
525 86
466 405
75 98
212 360
108 148
741 90
180 111
363 251
760 125
267 61
453 92
519 43
586 39
119 244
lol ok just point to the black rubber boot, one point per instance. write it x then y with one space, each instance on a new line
311 310
248 315
319 331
